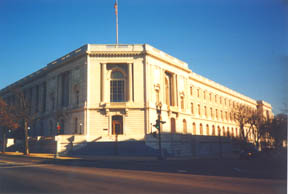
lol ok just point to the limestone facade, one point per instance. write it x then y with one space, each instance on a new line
98 91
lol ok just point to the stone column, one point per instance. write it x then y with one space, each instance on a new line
175 91
130 85
103 82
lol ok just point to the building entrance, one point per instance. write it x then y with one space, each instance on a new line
117 125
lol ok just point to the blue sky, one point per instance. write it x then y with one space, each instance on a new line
241 44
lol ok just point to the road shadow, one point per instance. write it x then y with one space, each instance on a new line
264 169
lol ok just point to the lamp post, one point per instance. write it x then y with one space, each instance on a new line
80 127
157 125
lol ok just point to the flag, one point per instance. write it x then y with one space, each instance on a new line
116 7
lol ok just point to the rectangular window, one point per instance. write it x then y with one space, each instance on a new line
117 90
44 97
76 125
77 96
157 96
182 103
211 112
65 89
30 101
192 108
37 99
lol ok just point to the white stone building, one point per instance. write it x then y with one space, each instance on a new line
99 90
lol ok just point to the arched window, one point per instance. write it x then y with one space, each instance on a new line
219 130
167 92
207 130
117 87
232 133
213 130
194 129
77 97
173 125
201 129
76 125
192 108
228 132
184 126
224 131
169 89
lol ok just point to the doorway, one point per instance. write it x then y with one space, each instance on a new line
117 125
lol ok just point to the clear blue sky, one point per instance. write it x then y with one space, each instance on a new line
241 44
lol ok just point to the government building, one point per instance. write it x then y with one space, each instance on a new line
101 92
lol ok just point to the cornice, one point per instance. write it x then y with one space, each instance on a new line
174 64
72 56
114 53
225 90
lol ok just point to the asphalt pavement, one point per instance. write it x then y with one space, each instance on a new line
20 174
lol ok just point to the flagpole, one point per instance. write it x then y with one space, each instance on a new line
116 13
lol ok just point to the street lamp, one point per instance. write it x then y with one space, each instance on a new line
80 127
158 127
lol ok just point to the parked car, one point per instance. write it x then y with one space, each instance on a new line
248 153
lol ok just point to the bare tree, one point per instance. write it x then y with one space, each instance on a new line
242 115
259 128
8 121
24 115
278 130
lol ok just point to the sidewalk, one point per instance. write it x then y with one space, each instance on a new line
78 157
38 155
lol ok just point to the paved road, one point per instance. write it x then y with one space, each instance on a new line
26 175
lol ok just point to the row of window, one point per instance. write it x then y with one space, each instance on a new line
55 128
213 97
32 97
229 132
218 114
36 95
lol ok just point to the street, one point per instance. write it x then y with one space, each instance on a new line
34 175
